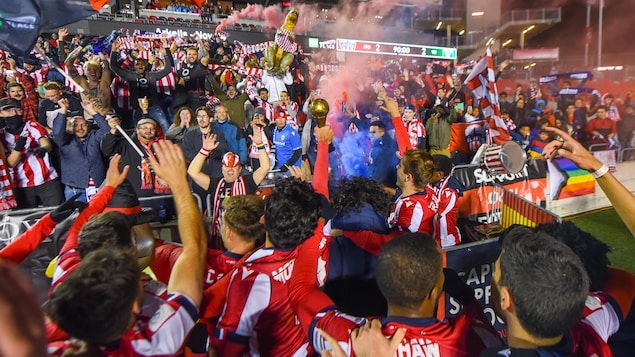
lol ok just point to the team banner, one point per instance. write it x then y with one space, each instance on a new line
479 197
475 264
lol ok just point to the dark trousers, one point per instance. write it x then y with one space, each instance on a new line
48 194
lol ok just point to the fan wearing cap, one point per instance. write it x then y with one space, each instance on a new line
143 179
287 142
82 165
34 178
23 91
49 107
260 121
415 128
232 182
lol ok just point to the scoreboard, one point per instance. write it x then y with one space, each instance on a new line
399 49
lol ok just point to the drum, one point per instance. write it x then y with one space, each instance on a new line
508 158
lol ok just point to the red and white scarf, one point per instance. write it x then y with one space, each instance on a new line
238 188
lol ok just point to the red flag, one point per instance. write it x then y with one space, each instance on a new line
482 82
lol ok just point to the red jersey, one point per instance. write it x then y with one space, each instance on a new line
416 130
465 335
217 264
31 170
446 232
414 213
257 318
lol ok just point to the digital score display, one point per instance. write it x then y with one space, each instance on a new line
398 49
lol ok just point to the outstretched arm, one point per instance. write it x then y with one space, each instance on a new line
187 275
622 199
196 166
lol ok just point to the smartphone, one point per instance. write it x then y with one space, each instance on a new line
459 107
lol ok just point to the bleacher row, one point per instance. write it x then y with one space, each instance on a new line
175 21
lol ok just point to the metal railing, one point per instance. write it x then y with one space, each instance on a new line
531 15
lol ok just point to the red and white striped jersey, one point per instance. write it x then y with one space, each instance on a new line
601 315
162 333
166 84
258 318
414 213
446 232
416 130
38 76
31 170
291 111
268 107
121 92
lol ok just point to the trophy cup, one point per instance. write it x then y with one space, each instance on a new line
319 109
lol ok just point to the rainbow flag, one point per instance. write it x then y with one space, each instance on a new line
568 180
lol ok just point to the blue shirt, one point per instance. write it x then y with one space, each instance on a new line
287 140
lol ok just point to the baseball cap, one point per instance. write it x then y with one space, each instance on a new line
231 159
8 102
279 112
260 111
147 121
410 106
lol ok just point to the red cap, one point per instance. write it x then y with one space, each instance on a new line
230 159
279 112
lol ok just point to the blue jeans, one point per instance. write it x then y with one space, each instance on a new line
70 191
154 112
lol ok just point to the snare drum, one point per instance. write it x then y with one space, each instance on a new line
508 158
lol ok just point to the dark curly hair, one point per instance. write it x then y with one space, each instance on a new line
291 213
355 191
591 251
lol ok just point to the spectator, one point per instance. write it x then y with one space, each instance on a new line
625 128
24 92
97 80
291 109
439 130
143 85
538 143
287 142
49 107
602 128
143 179
383 155
82 165
233 102
183 123
34 179
232 182
193 142
233 134
260 123
190 85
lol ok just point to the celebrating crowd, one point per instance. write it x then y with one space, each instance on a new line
142 115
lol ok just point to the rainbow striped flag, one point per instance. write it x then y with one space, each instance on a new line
568 180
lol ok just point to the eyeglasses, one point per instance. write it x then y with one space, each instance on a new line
372 132
203 116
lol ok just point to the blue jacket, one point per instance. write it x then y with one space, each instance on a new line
384 161
234 137
80 160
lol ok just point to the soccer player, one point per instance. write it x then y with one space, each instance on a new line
258 318
539 288
447 190
410 276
